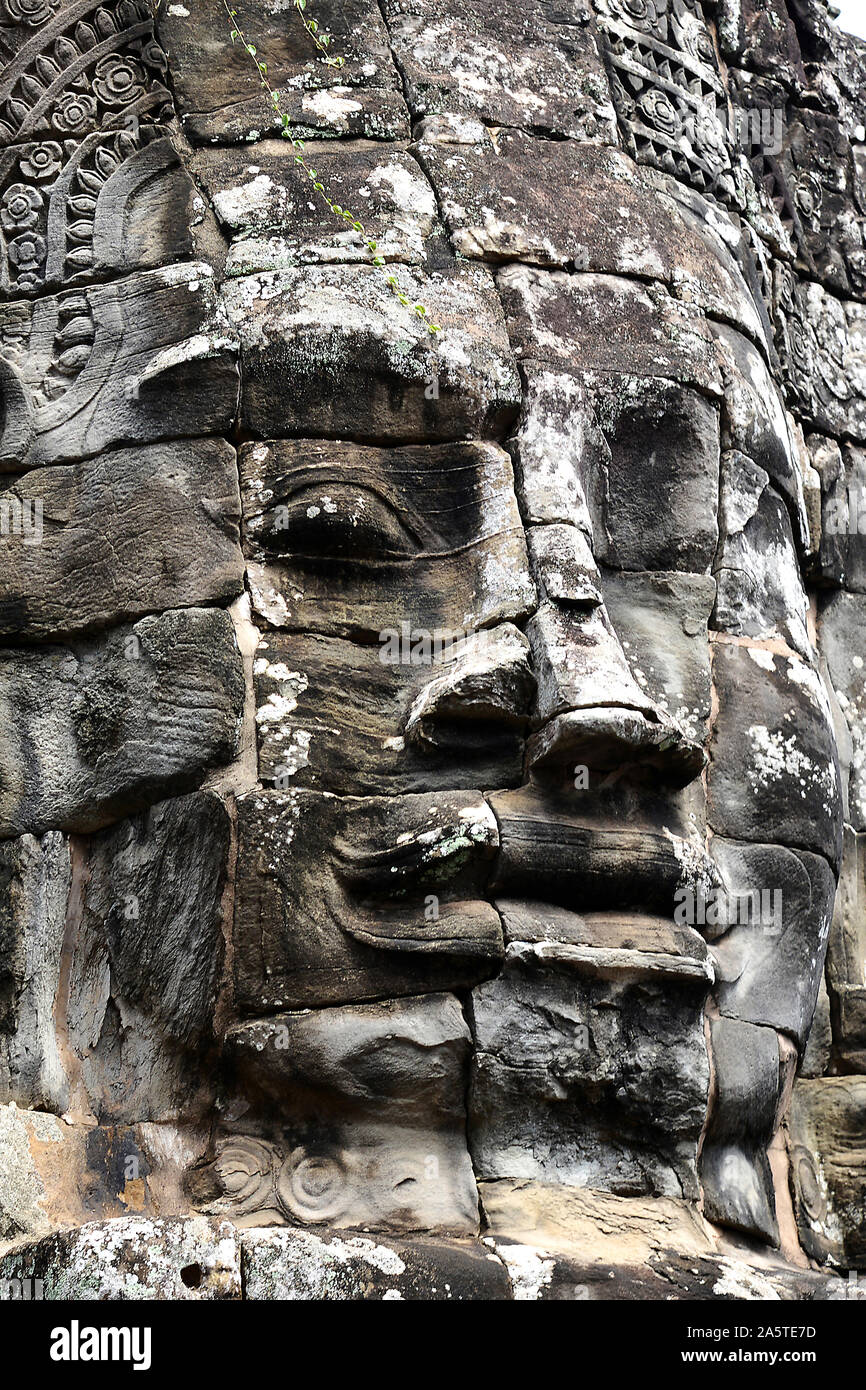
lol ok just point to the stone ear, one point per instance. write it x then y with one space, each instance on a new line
16 415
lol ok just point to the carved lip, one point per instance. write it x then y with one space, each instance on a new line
460 844
551 857
602 943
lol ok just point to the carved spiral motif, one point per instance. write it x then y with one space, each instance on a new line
809 1187
244 1168
313 1187
30 12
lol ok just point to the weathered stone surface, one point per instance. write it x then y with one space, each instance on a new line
331 351
456 743
597 1229
661 621
591 852
827 1160
774 761
657 485
22 1190
342 717
146 962
386 1082
306 1265
381 544
822 344
539 1274
592 710
59 1173
586 207
667 89
760 588
134 1259
846 950
118 721
72 567
34 886
735 1170
819 1045
770 943
843 641
754 421
343 900
606 323
567 1087
219 95
518 65
141 359
557 449
74 212
264 203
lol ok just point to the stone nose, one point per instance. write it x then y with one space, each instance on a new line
589 709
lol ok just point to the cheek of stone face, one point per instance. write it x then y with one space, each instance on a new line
774 776
340 900
352 1116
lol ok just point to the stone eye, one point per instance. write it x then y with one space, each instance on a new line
343 521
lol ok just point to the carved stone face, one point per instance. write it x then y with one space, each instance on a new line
441 752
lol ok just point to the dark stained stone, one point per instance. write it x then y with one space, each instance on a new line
770 945
343 717
661 621
568 1087
735 1171
658 493
147 961
330 350
356 541
606 323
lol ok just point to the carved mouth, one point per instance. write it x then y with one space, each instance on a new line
544 854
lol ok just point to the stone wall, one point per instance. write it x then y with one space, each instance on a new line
428 760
